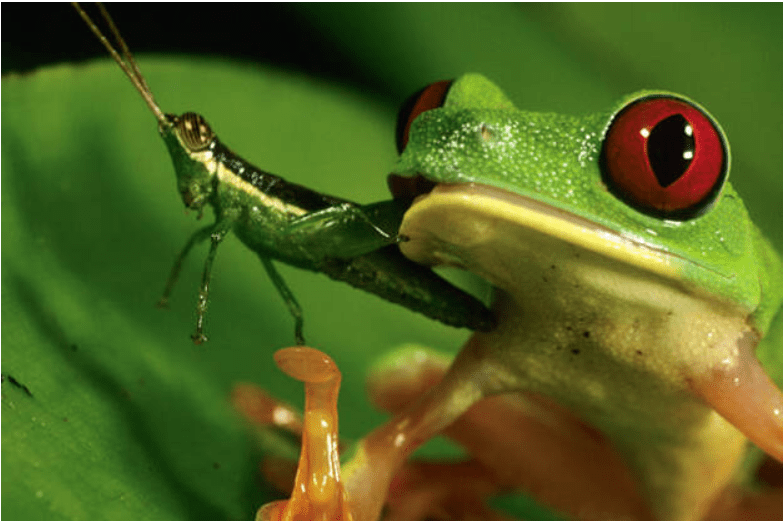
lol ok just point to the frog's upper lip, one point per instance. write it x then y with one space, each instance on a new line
540 207
414 187
550 220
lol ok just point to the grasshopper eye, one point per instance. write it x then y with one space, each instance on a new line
428 98
194 131
665 157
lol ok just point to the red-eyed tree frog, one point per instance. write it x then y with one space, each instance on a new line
633 294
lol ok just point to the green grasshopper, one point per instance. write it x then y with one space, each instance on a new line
288 222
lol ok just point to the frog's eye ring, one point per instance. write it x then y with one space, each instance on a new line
430 97
665 157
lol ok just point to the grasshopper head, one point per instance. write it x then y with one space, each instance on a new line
191 143
188 137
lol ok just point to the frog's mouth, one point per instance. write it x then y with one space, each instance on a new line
501 205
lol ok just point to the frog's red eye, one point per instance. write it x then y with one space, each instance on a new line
665 157
430 97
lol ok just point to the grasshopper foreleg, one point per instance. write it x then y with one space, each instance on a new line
198 237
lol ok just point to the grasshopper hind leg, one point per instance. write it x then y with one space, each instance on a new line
288 297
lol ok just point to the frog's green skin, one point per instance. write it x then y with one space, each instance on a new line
641 327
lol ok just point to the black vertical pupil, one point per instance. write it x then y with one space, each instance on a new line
670 149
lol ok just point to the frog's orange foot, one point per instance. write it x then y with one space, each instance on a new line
318 492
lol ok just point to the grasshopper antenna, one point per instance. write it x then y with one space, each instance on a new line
124 60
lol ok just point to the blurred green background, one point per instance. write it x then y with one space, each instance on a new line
128 419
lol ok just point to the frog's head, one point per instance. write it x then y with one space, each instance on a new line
626 212
191 143
644 183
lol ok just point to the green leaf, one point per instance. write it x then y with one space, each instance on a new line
129 420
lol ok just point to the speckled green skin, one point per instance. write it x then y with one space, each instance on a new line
554 158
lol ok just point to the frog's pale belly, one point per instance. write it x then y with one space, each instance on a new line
616 345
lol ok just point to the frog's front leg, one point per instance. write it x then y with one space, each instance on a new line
528 443
428 395
515 442
318 492
470 378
